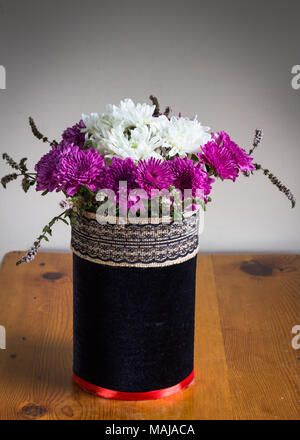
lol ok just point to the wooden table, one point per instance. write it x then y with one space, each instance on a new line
245 365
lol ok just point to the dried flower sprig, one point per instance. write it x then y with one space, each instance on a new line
157 112
258 137
28 178
167 111
38 134
46 233
154 101
11 162
286 191
30 255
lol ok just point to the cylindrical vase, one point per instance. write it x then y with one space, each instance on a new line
134 306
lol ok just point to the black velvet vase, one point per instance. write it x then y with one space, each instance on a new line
134 307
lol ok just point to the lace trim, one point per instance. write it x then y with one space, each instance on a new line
136 245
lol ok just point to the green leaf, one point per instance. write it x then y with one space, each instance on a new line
22 164
26 184
63 220
6 179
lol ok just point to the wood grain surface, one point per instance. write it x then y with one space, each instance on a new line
245 366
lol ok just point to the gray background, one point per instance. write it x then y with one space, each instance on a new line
227 61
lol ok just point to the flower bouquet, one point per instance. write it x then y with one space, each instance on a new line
135 181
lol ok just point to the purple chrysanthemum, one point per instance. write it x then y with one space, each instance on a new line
153 174
80 167
113 176
47 169
220 158
73 135
243 160
121 170
188 176
226 157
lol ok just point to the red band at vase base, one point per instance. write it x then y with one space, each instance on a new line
120 395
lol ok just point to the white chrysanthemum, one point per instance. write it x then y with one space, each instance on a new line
91 123
130 114
141 144
184 136
160 125
131 130
116 126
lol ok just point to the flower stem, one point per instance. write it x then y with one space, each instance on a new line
46 233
